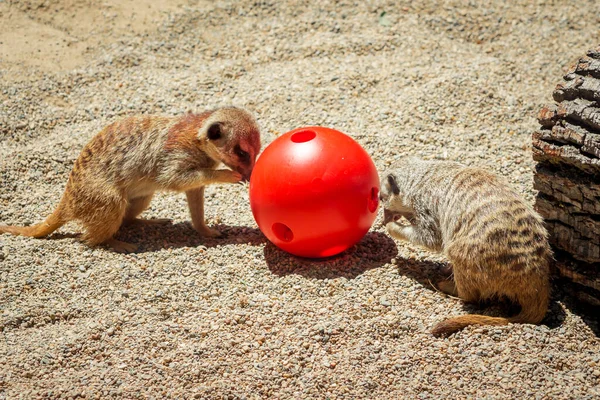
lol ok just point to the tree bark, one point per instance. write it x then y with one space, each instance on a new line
567 176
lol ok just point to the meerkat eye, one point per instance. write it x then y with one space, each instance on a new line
243 155
214 132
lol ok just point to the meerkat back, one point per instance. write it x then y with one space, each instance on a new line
495 241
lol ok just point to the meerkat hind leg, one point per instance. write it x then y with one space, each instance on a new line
137 206
102 227
95 237
465 289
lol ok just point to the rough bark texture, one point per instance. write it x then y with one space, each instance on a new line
567 151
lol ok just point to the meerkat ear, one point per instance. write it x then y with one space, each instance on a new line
393 185
214 131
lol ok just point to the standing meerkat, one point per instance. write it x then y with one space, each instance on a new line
496 243
119 170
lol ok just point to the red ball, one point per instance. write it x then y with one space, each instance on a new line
314 192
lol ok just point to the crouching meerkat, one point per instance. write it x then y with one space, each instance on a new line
496 243
119 170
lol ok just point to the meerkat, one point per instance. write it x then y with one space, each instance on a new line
117 173
496 243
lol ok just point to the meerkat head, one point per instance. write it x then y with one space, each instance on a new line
232 137
393 200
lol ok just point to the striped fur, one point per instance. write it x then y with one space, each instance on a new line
495 241
118 171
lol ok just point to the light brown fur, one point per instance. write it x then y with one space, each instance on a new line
120 169
495 241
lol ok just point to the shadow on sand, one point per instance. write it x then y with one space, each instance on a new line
152 238
373 251
571 297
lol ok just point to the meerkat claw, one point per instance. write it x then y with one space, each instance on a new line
448 287
235 177
121 247
209 232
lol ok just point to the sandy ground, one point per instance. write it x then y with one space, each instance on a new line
236 317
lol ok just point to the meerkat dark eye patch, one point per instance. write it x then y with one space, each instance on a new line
214 132
393 185
242 154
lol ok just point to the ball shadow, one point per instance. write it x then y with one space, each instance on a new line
556 314
152 238
373 251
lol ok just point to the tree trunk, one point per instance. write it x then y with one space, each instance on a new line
567 176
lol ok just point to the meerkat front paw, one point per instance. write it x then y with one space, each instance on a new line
228 176
205 231
391 227
447 286
396 230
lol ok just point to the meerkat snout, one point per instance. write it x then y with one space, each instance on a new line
245 161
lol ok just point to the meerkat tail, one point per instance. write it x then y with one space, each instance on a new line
52 223
452 325
533 310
